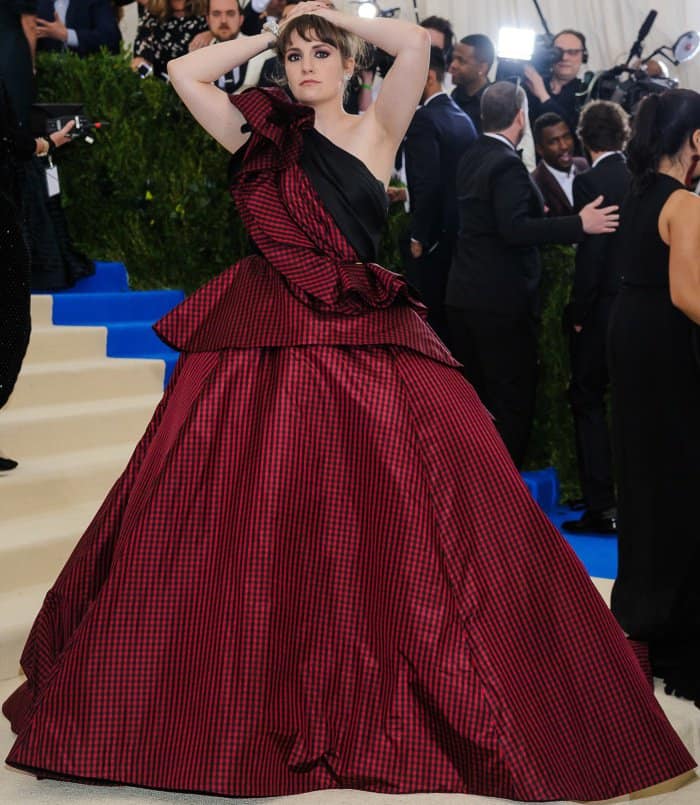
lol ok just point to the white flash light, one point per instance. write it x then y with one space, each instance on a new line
368 10
517 44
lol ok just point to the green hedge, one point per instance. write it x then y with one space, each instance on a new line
152 193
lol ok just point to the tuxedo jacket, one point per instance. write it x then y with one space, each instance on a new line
439 134
496 266
554 197
92 20
596 274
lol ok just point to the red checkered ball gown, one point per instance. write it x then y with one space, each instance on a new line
320 568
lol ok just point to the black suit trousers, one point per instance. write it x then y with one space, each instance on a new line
589 385
428 275
499 354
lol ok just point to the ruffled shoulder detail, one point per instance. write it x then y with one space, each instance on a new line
276 124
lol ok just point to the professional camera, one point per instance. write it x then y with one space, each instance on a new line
629 85
518 47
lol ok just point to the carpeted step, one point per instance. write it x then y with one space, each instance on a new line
42 310
34 431
137 339
543 486
103 308
132 339
54 383
50 343
108 276
34 548
18 609
41 485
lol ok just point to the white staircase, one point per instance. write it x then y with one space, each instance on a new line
72 423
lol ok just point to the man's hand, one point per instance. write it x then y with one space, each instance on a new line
535 83
202 40
51 30
578 328
416 249
599 220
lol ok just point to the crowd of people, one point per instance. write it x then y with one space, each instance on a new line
392 420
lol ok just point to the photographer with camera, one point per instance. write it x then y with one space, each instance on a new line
561 92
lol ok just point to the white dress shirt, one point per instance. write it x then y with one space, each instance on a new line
61 8
565 180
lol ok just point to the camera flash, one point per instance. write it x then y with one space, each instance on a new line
516 43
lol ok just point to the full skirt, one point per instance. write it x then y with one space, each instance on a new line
320 569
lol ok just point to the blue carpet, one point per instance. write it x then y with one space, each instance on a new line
106 300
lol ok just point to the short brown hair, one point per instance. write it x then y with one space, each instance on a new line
312 26
500 103
603 126
207 6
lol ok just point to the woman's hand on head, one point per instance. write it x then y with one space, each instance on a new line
317 7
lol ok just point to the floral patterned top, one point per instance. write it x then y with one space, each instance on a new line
158 41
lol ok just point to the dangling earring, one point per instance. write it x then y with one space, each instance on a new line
691 170
347 76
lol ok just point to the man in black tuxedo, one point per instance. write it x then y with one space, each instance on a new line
80 25
493 287
604 130
558 167
439 134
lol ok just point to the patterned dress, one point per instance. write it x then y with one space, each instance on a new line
160 40
320 568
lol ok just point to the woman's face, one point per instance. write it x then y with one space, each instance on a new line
694 155
178 7
315 70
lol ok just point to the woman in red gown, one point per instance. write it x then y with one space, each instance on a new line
320 568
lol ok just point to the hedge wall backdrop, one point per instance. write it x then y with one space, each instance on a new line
152 193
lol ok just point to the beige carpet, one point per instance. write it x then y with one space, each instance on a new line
72 423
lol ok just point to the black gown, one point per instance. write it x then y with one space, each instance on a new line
15 56
16 146
655 378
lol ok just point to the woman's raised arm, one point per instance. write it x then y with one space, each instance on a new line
193 75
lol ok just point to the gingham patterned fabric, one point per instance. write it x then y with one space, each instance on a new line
320 568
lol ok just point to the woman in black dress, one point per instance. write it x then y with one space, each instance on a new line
17 45
655 373
17 146
165 32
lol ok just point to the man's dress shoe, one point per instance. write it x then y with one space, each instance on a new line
593 523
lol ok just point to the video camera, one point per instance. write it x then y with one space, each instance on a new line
48 118
629 85
518 47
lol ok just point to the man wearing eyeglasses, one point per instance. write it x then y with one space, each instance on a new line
562 93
